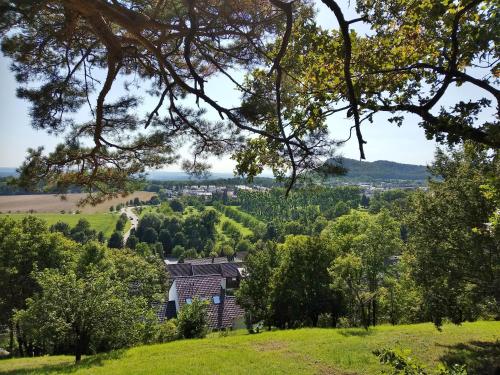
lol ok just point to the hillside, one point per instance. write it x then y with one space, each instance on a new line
381 170
302 351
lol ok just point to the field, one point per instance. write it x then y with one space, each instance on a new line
105 222
245 232
302 351
53 203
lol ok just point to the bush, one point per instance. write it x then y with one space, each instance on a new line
325 320
168 331
343 322
403 364
192 320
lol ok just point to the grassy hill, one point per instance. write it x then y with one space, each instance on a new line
302 351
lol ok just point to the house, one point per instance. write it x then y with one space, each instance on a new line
211 280
231 271
223 311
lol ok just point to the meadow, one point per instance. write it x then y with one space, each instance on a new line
105 222
301 351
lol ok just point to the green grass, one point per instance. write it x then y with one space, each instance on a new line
105 222
302 351
246 214
245 232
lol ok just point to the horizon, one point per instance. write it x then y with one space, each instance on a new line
263 174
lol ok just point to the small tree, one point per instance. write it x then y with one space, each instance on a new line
90 310
132 242
116 240
176 205
192 319
100 237
150 235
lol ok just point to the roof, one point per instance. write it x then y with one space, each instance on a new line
206 269
179 269
230 269
220 315
204 287
206 260
226 269
165 310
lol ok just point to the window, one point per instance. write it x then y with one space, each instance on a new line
216 299
189 301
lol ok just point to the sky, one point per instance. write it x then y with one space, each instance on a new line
385 141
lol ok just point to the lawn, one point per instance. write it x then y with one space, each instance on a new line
302 351
105 222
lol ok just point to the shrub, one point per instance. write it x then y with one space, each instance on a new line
325 320
403 364
168 331
344 322
192 319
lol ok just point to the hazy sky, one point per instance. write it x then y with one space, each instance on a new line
385 141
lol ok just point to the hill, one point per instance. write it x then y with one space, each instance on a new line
301 351
381 170
7 172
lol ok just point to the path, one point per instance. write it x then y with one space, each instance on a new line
134 220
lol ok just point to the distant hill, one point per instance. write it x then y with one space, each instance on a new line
381 170
7 172
182 176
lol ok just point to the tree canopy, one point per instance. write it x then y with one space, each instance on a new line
69 55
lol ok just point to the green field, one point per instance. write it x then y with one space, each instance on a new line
245 232
105 222
301 351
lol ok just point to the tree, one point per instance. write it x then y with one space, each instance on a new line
244 245
59 51
100 237
116 240
149 220
131 242
94 309
122 220
255 289
365 201
150 236
61 227
166 239
364 243
176 205
192 319
82 232
457 255
301 283
26 247
177 251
